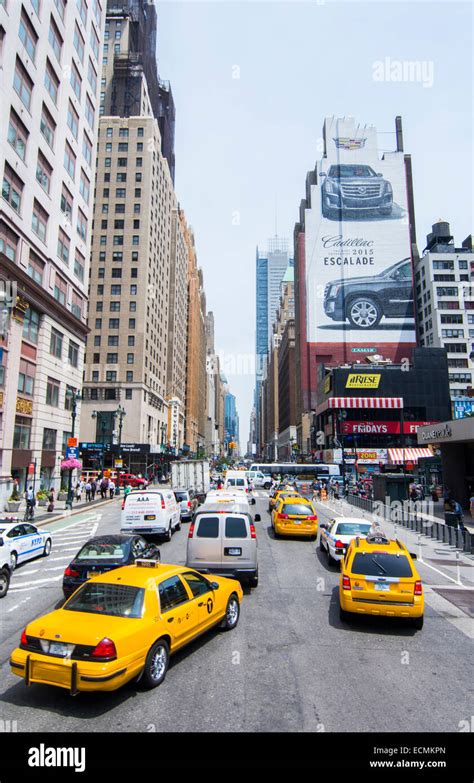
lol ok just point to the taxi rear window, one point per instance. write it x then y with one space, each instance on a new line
297 509
374 564
111 599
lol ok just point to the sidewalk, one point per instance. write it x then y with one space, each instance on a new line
43 517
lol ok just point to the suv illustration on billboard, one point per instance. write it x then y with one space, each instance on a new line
355 189
364 301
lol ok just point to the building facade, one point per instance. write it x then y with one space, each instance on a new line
50 57
196 355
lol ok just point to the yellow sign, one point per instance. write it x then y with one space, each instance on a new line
327 384
1 399
24 406
364 380
119 463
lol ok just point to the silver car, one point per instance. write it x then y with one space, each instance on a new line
187 502
222 540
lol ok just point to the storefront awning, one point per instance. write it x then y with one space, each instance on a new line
399 456
390 403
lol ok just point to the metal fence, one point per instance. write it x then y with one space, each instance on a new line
447 534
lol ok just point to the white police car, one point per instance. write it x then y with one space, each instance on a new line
23 541
337 534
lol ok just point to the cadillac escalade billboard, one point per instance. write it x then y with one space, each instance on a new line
359 283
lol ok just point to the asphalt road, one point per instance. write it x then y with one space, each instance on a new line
290 665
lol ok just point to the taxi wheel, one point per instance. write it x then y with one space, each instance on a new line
168 533
47 548
4 581
232 613
156 664
321 544
13 560
344 616
417 622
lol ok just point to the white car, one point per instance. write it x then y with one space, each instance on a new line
336 535
23 541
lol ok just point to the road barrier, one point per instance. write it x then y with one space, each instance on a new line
414 520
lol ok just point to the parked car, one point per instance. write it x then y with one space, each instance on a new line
22 541
132 480
188 503
222 540
356 189
364 301
151 512
104 553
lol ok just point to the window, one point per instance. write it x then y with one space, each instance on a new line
22 433
51 82
108 146
63 246
61 7
73 120
134 256
87 149
43 172
55 39
452 332
123 133
12 188
39 221
110 133
94 42
22 84
116 48
122 162
133 307
115 290
445 306
129 376
27 35
103 240
92 76
119 210
117 257
128 394
138 176
35 268
131 323
95 376
69 161
139 162
84 187
113 340
118 239
119 224
130 358
443 264
82 6
133 290
81 225
120 193
52 393
208 527
122 176
136 209
79 266
17 135
100 290
76 81
462 264
112 358
26 377
76 305
133 273
447 291
460 377
131 340
31 323
66 202
444 278
456 347
139 146
98 323
49 439
107 162
140 132
172 593
452 319
47 126
114 323
96 358
458 362
111 376
60 289
90 112
96 10
114 307
138 192
123 146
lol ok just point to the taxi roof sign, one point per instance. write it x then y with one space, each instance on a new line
142 563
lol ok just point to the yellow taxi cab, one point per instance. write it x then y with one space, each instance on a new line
378 577
122 625
295 516
274 499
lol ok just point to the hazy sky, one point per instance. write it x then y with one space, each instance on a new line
252 83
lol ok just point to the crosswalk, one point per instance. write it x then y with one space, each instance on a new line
37 574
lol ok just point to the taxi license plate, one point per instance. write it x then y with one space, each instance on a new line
150 516
57 648
296 521
382 587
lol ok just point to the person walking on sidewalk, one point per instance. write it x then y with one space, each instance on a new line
51 500
93 488
88 491
457 509
111 488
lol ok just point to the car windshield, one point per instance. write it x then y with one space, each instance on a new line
298 509
352 528
103 550
181 495
381 564
233 482
346 170
109 599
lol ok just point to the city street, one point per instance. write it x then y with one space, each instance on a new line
290 665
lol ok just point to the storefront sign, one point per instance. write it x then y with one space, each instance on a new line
72 442
366 349
327 384
381 427
24 406
463 408
440 432
364 456
364 380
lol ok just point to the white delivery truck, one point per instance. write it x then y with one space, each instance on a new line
191 474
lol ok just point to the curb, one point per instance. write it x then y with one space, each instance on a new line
71 513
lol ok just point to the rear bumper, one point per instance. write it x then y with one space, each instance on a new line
233 572
381 608
296 530
70 675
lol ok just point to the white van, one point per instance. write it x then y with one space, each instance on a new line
229 495
258 480
236 479
151 512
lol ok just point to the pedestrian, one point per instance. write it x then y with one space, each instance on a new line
457 509
88 491
51 500
78 491
111 488
93 488
103 487
30 501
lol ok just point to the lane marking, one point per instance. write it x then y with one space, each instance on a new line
20 604
27 585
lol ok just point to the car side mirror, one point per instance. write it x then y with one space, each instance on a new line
413 556
215 585
322 174
379 174
257 518
323 526
2 542
252 501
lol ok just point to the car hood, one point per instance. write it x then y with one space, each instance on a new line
351 280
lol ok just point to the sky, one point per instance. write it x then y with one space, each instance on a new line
252 84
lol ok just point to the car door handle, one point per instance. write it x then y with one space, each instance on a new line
201 604
170 619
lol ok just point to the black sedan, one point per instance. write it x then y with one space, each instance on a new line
103 553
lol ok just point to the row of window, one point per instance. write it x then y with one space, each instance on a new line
113 340
22 435
121 176
112 358
116 290
106 394
114 323
114 307
124 133
56 345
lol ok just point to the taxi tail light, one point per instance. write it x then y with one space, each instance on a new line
105 650
346 583
24 638
71 572
283 516
339 544
253 532
191 530
163 504
418 588
312 518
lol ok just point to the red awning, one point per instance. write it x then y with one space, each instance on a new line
391 403
399 456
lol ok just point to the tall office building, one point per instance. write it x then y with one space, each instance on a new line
50 58
135 214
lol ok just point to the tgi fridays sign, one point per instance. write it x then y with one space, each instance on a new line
381 427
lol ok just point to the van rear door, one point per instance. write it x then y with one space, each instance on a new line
238 546
143 512
205 545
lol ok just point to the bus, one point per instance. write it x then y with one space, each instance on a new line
320 470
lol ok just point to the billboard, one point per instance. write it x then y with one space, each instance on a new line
358 269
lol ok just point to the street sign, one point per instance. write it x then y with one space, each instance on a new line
118 463
72 442
31 468
71 452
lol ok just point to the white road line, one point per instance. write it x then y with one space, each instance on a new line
12 609
27 585
55 559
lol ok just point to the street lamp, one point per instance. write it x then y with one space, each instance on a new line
103 426
341 416
73 397
120 412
